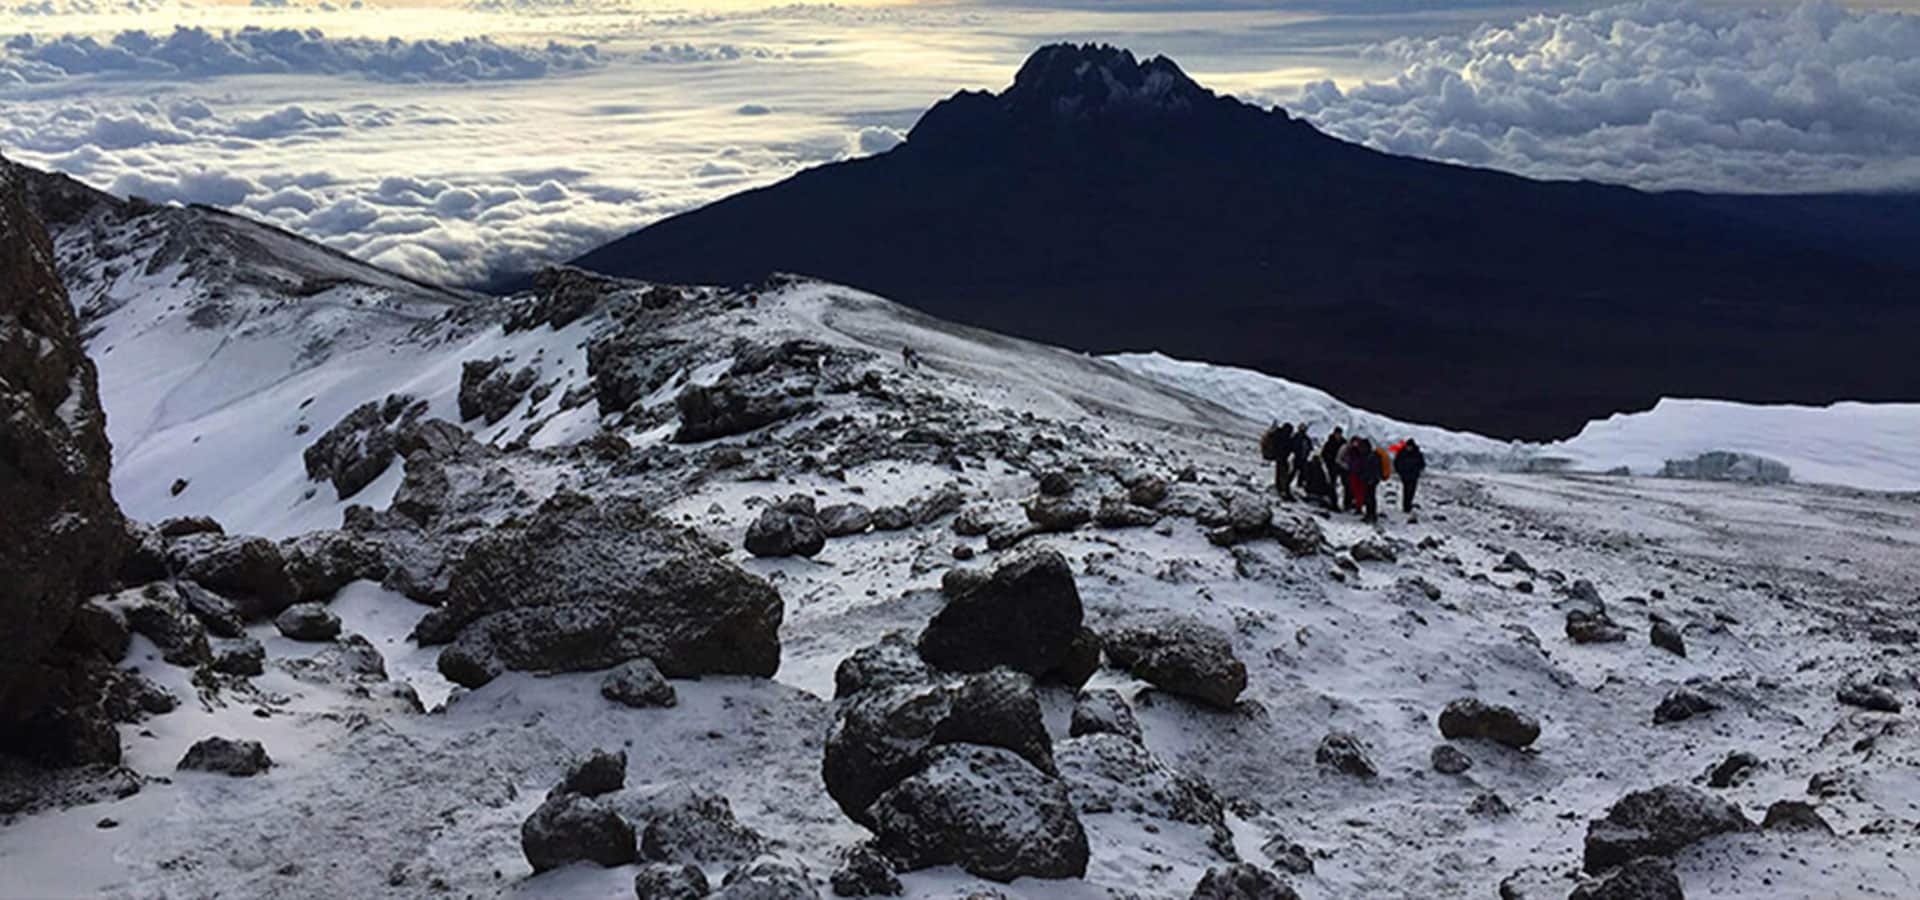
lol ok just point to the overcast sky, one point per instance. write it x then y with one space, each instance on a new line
460 141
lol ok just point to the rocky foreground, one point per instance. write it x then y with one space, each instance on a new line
688 592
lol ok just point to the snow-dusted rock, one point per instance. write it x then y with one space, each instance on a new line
361 446
247 570
569 828
1658 822
1181 656
62 536
1344 753
1868 695
767 878
218 754
1585 626
889 662
638 683
1058 513
684 824
985 810
216 613
843 519
600 772
308 622
239 656
1667 636
1103 711
156 613
587 584
320 563
864 872
1109 773
1683 703
1242 881
667 881
726 408
1448 760
1641 878
787 528
883 735
1026 615
1468 717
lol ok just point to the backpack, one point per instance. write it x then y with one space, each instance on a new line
1270 448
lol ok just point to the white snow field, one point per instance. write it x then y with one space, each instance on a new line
1783 594
1869 446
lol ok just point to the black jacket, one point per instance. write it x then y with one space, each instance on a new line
1409 462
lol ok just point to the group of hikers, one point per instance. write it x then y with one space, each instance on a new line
1346 472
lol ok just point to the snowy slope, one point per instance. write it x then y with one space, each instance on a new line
1861 445
1264 398
1782 592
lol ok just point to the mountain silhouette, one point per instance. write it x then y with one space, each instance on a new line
1106 203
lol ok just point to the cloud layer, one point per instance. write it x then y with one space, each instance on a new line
192 52
1658 95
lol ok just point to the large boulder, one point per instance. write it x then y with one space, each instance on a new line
1026 616
61 534
569 828
1658 822
692 826
985 810
845 519
1181 656
766 878
885 734
157 613
1468 717
889 662
250 571
320 563
588 584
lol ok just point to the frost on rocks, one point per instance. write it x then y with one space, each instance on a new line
1470 718
229 757
1658 822
639 684
588 584
985 810
1026 615
1108 773
1181 656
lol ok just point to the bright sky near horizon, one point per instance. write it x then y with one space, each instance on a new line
461 141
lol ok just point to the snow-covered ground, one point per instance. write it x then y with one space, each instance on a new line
1782 592
1869 446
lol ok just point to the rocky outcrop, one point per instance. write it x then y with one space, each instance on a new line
587 584
489 389
361 446
1658 822
886 732
61 535
1181 656
985 810
726 409
1026 616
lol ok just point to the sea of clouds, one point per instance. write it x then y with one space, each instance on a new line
1657 94
471 144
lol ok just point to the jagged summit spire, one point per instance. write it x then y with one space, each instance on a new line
1073 80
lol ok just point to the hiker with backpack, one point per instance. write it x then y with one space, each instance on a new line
1330 460
1276 445
1408 463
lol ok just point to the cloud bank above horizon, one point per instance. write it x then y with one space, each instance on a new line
463 144
1656 95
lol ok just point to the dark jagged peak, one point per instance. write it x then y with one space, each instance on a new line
1069 89
1068 81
